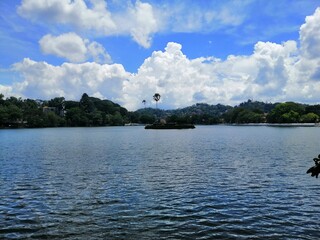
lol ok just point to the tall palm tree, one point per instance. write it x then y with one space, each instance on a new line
156 97
144 102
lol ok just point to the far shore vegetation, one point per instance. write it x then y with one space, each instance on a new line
91 111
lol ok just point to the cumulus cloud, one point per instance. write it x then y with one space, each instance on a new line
310 36
72 47
184 81
273 72
137 20
43 80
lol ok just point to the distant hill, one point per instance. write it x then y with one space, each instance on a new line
202 108
246 112
200 113
256 105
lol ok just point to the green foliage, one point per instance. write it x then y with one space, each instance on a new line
86 104
288 112
178 119
14 113
257 106
290 117
199 113
241 115
310 118
58 103
117 119
1 99
57 112
313 109
51 119
71 104
145 115
34 117
4 115
91 111
146 119
248 116
76 117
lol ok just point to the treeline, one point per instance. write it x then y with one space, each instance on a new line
259 112
57 112
200 113
246 112
91 111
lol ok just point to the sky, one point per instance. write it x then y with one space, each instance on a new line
188 51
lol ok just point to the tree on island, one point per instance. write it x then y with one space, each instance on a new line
156 97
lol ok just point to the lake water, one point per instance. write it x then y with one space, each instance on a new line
212 182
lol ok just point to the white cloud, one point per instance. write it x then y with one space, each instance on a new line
268 74
182 81
42 80
144 23
304 81
69 46
76 13
73 48
309 64
140 20
273 72
310 36
6 90
137 20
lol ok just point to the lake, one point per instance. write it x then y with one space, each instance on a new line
212 182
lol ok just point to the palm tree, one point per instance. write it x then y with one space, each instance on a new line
156 97
144 102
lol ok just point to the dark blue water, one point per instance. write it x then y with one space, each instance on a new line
217 182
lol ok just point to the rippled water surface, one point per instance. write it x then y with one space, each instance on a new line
217 182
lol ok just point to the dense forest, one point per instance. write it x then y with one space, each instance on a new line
58 112
91 111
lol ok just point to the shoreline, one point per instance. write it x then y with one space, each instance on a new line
277 124
226 124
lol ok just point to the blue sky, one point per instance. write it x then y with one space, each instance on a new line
188 51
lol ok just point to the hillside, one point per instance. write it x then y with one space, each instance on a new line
246 112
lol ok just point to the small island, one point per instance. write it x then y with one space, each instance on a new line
163 125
